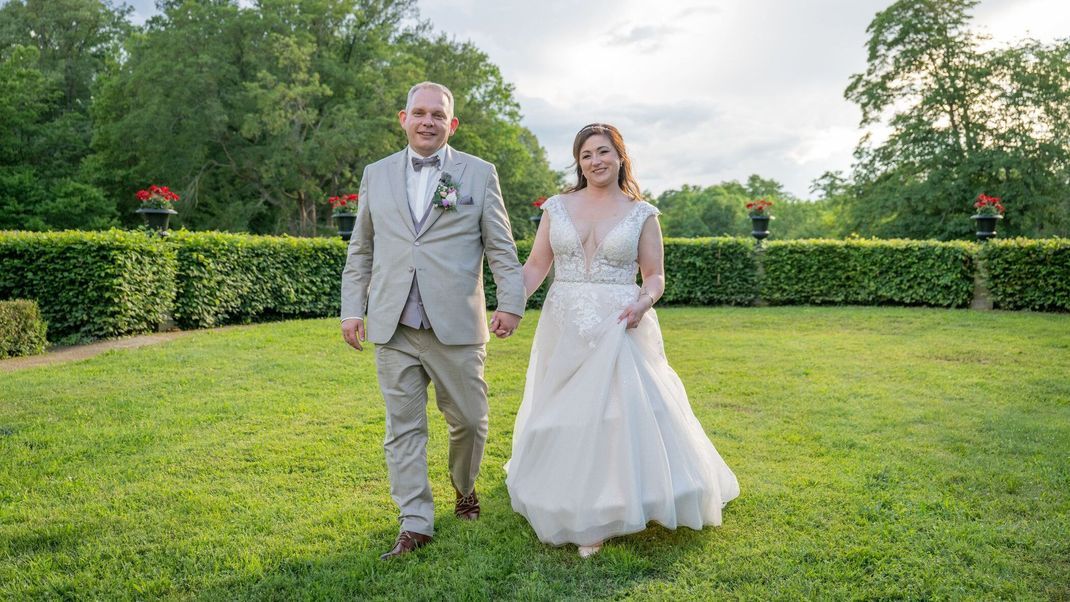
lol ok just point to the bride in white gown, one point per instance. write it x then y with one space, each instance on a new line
605 440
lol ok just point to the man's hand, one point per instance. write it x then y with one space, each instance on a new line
353 333
503 324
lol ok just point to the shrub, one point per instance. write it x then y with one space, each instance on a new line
1028 274
90 285
22 331
710 271
236 278
868 272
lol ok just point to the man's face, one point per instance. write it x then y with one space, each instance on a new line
427 121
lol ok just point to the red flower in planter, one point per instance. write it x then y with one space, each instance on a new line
759 207
157 197
343 204
988 205
538 202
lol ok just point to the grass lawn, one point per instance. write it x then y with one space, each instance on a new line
881 452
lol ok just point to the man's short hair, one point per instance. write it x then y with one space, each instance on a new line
433 86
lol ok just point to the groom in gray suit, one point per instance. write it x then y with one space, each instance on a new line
427 215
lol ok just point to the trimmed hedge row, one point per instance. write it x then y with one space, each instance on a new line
868 272
22 330
103 284
236 278
1028 274
90 285
710 271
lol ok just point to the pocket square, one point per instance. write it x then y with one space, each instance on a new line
465 200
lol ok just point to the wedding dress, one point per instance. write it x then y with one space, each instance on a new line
605 440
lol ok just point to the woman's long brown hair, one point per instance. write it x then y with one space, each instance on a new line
625 179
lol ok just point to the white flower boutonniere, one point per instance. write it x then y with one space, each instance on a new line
446 193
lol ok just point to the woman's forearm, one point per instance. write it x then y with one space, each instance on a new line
534 273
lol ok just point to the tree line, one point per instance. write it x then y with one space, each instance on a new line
257 114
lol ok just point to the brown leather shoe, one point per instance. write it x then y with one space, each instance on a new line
467 507
406 542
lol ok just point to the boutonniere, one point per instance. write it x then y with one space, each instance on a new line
446 193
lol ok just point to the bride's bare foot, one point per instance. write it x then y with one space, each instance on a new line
588 551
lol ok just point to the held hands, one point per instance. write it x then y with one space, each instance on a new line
503 324
635 311
353 333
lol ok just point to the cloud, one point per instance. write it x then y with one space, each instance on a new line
645 37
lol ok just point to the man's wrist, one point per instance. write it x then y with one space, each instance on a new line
352 318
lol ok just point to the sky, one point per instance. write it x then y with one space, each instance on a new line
703 91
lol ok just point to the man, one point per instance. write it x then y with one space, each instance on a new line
427 215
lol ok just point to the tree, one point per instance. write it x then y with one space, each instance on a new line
34 194
963 121
259 114
52 53
693 211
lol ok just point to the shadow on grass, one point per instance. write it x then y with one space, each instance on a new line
495 558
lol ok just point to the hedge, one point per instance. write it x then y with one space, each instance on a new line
710 271
868 272
237 278
1028 274
22 330
90 285
102 284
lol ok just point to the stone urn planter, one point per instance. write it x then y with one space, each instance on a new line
986 226
345 223
157 219
760 227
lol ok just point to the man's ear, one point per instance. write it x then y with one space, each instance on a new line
401 117
453 124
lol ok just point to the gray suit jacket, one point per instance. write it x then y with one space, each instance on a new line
445 256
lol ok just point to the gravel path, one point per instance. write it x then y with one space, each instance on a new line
59 355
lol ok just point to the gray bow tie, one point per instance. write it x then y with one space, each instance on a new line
419 164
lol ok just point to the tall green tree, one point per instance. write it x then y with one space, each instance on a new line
962 121
52 52
258 114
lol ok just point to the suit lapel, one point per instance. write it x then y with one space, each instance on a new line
454 166
398 189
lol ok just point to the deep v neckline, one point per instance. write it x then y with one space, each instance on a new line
598 249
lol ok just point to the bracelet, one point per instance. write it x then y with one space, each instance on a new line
642 292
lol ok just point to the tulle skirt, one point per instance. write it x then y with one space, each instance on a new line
605 440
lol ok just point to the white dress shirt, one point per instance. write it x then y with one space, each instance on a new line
420 185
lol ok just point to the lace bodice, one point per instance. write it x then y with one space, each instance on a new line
613 261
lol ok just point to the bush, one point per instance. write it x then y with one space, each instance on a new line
237 278
868 272
710 271
1028 274
90 285
22 331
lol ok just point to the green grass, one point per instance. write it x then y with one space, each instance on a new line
882 453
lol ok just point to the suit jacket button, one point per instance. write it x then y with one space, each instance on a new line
417 243
410 268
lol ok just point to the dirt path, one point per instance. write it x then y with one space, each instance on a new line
81 352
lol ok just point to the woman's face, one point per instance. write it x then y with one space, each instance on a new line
599 161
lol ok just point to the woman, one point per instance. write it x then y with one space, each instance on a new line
605 440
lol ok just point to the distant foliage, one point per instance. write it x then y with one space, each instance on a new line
90 285
1028 274
22 329
868 272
